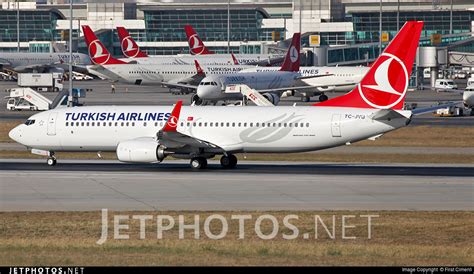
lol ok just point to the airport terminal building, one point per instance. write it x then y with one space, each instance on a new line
348 29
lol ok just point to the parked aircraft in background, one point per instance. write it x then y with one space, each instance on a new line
42 62
132 52
289 79
107 67
197 48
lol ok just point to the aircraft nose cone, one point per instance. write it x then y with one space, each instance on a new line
15 134
203 92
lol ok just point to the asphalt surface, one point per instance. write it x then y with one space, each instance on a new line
73 185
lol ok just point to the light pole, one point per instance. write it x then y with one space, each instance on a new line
398 15
18 24
451 18
228 27
380 28
70 54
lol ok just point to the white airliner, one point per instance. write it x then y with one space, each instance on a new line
339 79
272 82
41 62
187 78
148 134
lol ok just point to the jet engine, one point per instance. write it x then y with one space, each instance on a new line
141 151
468 99
273 98
288 93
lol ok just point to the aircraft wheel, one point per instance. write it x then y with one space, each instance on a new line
51 161
323 97
198 163
196 100
229 161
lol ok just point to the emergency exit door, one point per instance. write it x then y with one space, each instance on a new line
52 123
336 125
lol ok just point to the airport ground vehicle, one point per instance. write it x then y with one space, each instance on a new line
451 111
27 99
41 81
444 85
81 77
470 82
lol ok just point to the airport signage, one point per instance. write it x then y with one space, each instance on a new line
314 40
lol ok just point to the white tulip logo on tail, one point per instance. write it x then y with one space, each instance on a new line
196 46
127 47
96 51
293 54
388 85
173 121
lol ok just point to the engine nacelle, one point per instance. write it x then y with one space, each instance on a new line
326 88
288 93
273 98
468 99
140 151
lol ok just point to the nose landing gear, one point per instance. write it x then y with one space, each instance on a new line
51 160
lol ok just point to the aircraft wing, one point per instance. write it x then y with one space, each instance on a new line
4 62
177 140
179 85
281 90
313 76
104 73
35 67
170 137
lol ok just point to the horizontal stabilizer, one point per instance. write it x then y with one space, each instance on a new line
387 115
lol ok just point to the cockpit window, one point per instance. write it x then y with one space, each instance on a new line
29 122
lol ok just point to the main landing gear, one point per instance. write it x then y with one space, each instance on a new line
229 161
198 163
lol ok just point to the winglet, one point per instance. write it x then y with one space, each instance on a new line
236 62
97 51
195 43
199 69
128 45
172 122
292 59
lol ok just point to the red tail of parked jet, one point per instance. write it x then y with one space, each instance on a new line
129 47
292 59
196 45
97 51
172 122
385 84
